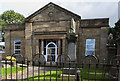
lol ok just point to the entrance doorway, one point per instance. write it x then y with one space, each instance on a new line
51 52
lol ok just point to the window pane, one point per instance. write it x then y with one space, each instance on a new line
90 47
90 41
50 58
17 51
48 51
51 45
51 51
17 42
17 46
90 52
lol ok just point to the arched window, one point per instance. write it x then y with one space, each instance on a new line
51 52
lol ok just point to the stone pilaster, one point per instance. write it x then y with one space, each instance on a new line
63 46
42 47
103 42
7 42
37 46
59 47
28 44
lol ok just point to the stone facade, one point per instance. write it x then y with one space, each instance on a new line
14 32
57 26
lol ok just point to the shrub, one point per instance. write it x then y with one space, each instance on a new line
9 58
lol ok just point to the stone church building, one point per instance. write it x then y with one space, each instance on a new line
53 31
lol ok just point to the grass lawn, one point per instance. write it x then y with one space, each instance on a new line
92 76
13 70
84 73
47 76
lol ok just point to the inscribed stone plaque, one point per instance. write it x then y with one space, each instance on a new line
71 50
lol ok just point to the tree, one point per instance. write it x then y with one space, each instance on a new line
115 31
10 17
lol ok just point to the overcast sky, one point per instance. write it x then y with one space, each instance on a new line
85 8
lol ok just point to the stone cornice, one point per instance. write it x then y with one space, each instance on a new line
14 27
91 23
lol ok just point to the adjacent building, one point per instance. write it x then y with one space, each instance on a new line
53 31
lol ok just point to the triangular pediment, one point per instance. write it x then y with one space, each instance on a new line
52 11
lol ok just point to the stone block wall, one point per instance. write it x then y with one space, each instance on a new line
14 32
9 45
93 29
18 35
89 33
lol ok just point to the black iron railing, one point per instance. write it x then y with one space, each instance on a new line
62 70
